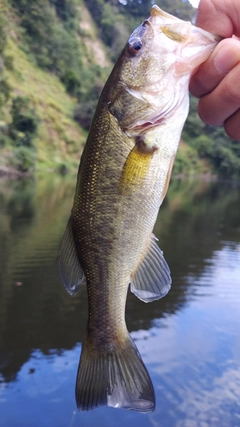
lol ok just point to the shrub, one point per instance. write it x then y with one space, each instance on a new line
84 112
23 159
25 121
22 131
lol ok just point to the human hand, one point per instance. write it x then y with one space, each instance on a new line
217 81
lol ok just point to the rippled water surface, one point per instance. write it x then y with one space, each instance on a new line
189 341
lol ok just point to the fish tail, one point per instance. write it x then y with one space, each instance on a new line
116 378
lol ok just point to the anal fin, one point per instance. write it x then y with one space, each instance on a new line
71 272
152 279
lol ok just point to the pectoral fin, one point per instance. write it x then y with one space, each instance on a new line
135 169
152 279
71 272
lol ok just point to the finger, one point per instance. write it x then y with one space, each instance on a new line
232 126
217 106
221 18
224 57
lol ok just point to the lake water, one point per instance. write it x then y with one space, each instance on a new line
189 341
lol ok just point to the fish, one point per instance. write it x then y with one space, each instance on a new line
123 177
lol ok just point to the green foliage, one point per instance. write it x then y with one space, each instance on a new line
111 24
24 124
213 144
186 161
52 43
204 145
23 159
3 35
63 169
5 61
71 81
67 11
5 140
51 36
22 132
83 113
5 91
49 32
181 165
88 97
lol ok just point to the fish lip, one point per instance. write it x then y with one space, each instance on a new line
157 12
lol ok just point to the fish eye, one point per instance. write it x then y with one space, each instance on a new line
134 45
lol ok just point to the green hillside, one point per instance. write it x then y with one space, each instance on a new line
43 87
55 56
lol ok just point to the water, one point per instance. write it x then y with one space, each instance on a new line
189 341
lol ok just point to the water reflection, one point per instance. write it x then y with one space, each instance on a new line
189 340
200 357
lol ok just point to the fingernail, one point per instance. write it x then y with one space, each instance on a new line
226 58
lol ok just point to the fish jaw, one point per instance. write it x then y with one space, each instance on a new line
191 45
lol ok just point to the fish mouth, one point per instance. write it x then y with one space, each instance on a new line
191 45
178 29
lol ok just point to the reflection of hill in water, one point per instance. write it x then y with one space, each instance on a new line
195 220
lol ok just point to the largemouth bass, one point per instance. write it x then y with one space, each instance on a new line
122 180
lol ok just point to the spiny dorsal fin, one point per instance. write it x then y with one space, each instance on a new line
71 272
151 280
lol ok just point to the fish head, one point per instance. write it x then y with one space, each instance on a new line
161 42
154 70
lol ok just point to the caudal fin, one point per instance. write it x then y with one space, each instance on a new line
116 378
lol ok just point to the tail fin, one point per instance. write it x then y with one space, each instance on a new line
115 378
